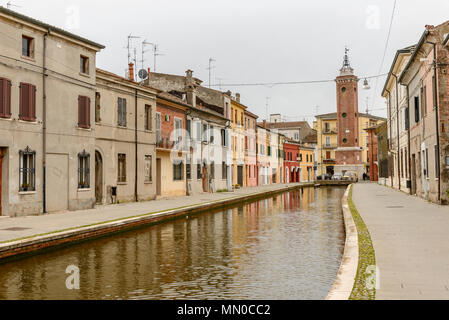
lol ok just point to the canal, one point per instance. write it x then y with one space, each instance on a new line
285 247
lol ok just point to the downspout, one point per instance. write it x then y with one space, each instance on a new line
44 125
187 153
435 93
397 132
409 143
389 140
136 198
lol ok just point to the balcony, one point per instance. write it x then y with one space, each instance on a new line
329 161
330 131
329 146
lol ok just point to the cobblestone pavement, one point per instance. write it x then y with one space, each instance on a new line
411 242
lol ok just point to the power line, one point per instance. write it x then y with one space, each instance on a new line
288 83
386 47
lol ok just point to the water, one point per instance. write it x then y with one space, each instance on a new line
284 247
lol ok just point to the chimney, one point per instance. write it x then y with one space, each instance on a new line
229 93
189 77
190 88
265 124
149 71
237 97
131 71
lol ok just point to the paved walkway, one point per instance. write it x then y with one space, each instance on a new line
35 225
411 241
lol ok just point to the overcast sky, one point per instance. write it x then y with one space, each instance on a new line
259 41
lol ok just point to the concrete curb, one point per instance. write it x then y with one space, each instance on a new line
36 243
344 283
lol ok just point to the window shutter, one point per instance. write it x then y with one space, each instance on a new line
5 98
87 112
119 112
32 102
80 111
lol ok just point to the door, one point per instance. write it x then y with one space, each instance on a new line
413 169
240 175
1 165
98 178
57 182
158 177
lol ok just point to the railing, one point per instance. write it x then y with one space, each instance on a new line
330 131
329 146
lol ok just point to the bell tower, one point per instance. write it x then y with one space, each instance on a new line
348 153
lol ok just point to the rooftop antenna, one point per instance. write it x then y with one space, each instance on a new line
367 105
156 54
220 82
317 108
144 44
129 46
210 69
9 5
267 105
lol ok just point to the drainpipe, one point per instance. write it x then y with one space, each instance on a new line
437 121
409 156
136 198
44 125
389 120
187 153
397 132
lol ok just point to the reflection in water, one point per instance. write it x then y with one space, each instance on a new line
285 247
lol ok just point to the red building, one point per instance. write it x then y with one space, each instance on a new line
291 162
372 154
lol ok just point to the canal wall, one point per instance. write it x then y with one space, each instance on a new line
344 283
33 244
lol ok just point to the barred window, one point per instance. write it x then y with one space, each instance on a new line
27 170
178 170
148 169
121 112
83 170
121 167
148 117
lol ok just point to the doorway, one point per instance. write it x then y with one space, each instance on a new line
98 178
1 165
158 177
240 175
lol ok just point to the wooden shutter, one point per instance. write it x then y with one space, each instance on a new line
5 98
27 102
32 102
87 112
84 112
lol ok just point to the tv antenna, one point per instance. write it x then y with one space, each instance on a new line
144 44
9 5
367 105
220 82
267 106
156 54
210 69
130 37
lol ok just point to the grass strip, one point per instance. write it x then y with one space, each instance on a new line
364 285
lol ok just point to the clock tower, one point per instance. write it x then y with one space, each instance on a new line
348 153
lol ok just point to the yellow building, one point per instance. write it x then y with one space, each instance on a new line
306 160
327 133
238 141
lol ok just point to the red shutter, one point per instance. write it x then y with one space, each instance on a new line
5 98
80 111
84 112
27 107
23 112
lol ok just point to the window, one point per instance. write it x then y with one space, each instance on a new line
178 130
121 112
223 137
148 117
416 109
189 127
296 136
158 128
211 134
198 131
407 118
121 168
84 64
27 47
328 141
27 102
83 112
148 169
326 127
5 98
97 107
204 132
224 168
83 170
269 151
27 170
423 101
178 170
198 170
344 115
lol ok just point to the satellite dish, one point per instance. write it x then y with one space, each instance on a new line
143 74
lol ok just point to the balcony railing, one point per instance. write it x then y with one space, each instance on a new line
330 131
329 146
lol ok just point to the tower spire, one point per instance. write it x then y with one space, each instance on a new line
346 70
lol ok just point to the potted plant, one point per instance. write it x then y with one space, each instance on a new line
25 187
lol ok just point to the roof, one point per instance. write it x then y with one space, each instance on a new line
415 53
116 76
48 27
288 125
312 137
408 49
172 98
255 116
332 116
